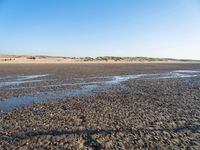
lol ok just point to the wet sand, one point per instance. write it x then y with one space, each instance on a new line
100 106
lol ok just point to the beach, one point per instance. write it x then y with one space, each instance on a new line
100 106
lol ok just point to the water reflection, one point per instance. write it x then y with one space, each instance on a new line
86 87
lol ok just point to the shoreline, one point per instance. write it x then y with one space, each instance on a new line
104 62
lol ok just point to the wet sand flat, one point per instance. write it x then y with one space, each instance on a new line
100 106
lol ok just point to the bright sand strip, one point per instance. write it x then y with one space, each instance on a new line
47 59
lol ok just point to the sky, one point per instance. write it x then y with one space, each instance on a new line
149 28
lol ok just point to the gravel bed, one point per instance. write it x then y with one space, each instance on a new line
136 114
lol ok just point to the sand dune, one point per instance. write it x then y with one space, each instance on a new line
107 59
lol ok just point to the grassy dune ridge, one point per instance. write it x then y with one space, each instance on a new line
54 59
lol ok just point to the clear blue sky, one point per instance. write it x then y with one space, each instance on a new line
154 28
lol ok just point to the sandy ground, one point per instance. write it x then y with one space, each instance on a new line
33 59
46 59
136 114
